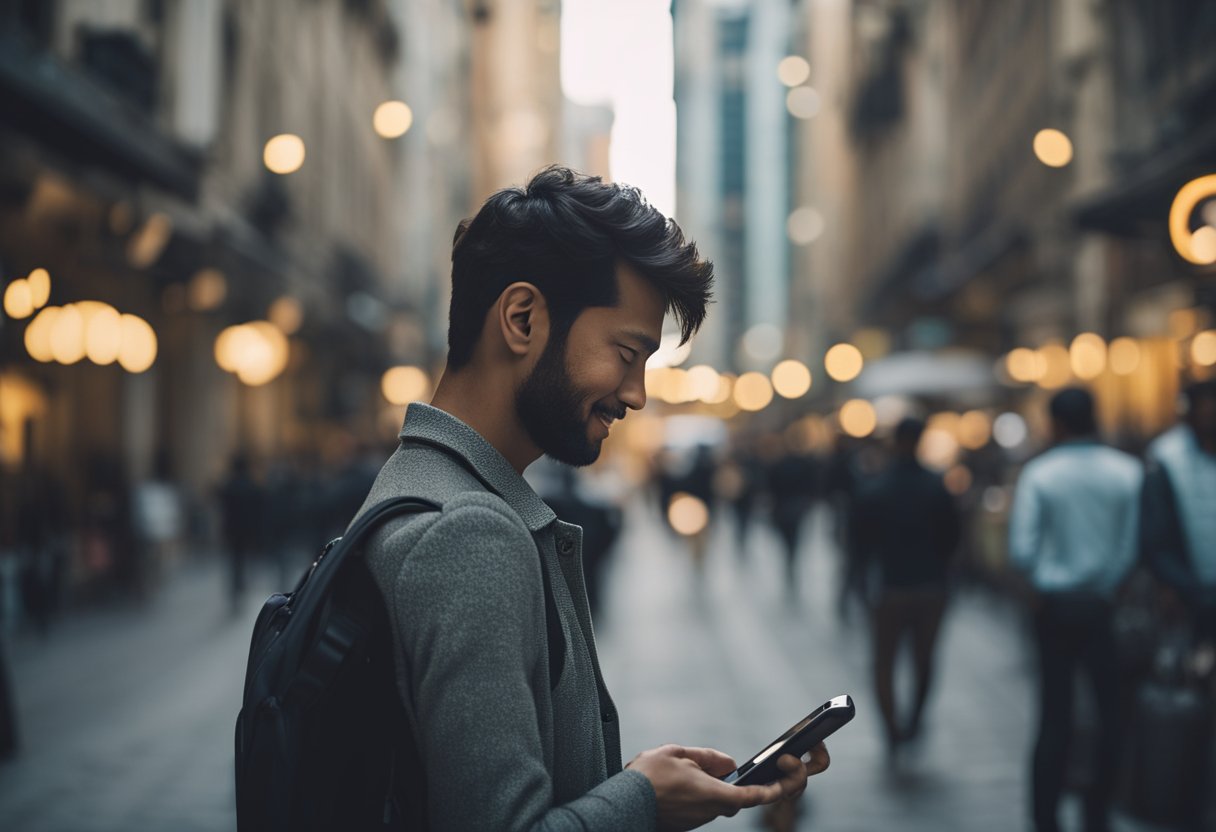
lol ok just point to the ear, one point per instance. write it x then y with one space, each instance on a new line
523 318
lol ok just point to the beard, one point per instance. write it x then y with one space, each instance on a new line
550 409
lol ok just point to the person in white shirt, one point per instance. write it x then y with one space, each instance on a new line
1073 532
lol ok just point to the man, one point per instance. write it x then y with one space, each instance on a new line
1178 534
1073 531
907 525
1179 530
558 296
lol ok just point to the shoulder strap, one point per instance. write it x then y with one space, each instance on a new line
341 629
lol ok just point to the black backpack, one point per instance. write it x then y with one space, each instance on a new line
322 740
321 736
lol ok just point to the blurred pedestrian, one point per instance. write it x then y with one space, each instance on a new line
791 486
906 526
242 507
1179 523
1073 530
841 480
1178 534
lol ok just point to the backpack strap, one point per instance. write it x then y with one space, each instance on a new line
341 630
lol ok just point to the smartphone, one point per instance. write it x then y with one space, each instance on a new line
819 723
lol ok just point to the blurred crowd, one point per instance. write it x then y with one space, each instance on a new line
1112 555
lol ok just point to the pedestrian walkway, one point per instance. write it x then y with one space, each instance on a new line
725 660
126 714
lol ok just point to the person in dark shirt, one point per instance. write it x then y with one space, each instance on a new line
791 485
906 527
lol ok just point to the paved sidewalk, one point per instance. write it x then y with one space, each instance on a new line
127 714
725 660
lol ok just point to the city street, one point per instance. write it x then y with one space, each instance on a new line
126 715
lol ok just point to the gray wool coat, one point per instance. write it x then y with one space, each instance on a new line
464 589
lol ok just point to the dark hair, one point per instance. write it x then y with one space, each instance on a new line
1073 410
909 430
565 233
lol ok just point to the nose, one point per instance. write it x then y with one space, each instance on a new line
632 392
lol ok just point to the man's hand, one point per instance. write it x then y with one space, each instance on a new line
690 793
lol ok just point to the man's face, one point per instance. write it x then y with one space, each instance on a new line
582 383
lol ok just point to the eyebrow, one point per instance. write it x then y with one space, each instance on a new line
642 338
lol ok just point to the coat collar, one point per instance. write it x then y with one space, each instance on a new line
437 427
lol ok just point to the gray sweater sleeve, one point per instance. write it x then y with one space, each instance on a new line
471 619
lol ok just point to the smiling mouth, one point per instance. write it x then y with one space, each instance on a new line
607 417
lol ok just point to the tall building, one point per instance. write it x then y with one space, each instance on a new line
990 181
732 166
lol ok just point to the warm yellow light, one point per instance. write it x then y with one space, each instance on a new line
402 385
843 362
257 351
1024 365
726 387
207 290
20 401
39 281
1087 356
974 429
946 421
67 335
687 514
103 335
1203 348
284 153
38 335
857 418
1124 356
148 243
1188 196
753 392
18 300
393 119
791 379
802 102
1203 244
1057 366
679 391
702 383
793 70
230 345
1053 148
287 314
938 448
137 350
268 359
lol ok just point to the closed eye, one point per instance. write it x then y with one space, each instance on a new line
628 355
